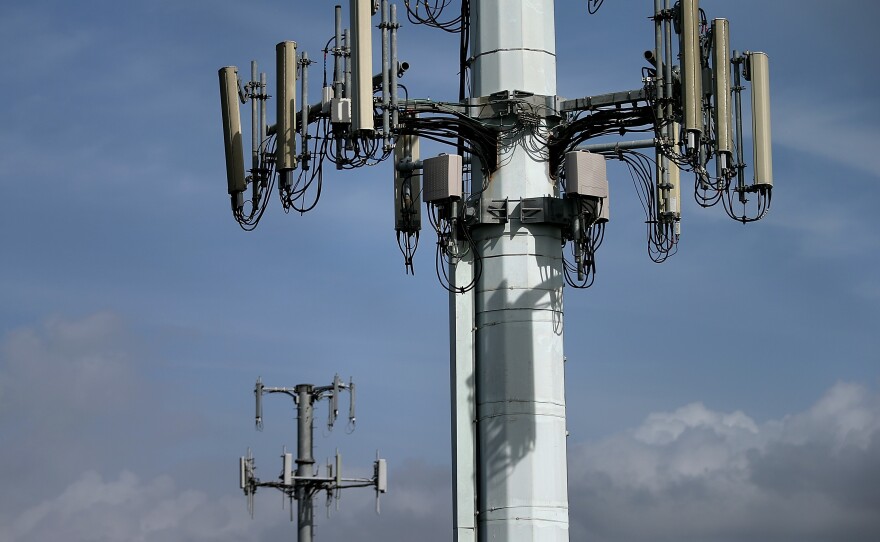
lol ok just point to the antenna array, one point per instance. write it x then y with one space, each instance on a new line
690 100
305 481
525 175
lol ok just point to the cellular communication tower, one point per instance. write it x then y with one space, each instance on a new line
305 481
519 204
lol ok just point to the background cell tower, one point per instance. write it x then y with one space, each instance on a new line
525 178
304 482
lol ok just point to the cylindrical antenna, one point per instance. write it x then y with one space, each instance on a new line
334 401
242 472
362 67
721 84
691 72
304 120
256 188
386 69
232 144
285 131
258 395
759 71
337 54
263 97
351 397
393 75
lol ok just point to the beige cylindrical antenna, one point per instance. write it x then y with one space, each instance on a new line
229 104
721 90
691 72
285 131
759 69
362 66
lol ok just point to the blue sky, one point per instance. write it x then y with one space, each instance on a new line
728 394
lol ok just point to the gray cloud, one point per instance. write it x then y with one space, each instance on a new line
697 474
131 509
689 474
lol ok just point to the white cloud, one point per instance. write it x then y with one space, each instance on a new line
127 508
696 474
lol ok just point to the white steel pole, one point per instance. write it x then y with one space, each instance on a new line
461 343
522 492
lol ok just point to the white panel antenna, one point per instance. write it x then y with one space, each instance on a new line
234 149
287 468
691 72
285 131
759 74
362 66
721 88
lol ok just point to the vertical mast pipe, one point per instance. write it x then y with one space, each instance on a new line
255 138
386 68
304 461
346 64
337 54
737 112
304 113
392 75
667 66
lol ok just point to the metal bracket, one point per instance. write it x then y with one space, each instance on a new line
590 103
496 211
544 210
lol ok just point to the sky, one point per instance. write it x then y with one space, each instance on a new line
729 394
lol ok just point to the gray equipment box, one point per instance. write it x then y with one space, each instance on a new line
442 177
585 174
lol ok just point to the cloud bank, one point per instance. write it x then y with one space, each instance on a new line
697 474
693 474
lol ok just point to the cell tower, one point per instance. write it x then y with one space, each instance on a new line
525 177
304 482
